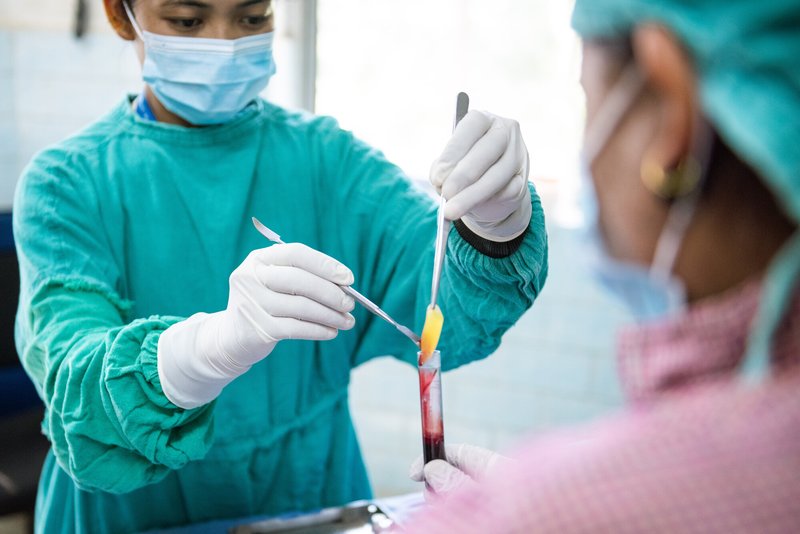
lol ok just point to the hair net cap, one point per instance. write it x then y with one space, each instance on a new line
745 54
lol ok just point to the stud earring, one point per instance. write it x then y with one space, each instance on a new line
671 184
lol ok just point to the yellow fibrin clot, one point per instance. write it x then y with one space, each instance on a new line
431 332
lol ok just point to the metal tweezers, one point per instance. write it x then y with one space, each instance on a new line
364 301
442 224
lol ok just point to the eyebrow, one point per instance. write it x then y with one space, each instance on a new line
203 5
186 3
248 3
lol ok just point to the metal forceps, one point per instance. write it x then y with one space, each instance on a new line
361 299
442 224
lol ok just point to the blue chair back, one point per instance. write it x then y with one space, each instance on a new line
16 389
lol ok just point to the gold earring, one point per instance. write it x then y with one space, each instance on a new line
671 184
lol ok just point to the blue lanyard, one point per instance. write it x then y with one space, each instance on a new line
143 108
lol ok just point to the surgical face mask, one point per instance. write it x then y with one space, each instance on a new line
648 292
205 81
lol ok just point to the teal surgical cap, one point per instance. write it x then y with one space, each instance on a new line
746 55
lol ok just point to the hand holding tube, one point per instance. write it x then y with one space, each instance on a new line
465 467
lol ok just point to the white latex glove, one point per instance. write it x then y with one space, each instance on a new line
281 292
465 467
483 174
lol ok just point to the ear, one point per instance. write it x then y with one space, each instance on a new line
670 78
118 18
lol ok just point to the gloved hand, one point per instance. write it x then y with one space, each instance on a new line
483 174
281 292
466 466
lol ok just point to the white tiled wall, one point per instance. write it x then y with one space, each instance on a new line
62 84
553 368
8 134
52 84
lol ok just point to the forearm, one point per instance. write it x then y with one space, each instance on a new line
110 424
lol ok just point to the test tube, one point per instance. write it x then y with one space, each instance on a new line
430 398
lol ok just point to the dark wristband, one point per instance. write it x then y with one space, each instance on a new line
493 249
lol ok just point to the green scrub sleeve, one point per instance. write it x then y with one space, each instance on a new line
110 425
387 229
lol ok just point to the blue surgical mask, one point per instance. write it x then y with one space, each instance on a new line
648 292
205 81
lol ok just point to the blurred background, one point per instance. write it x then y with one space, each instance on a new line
388 70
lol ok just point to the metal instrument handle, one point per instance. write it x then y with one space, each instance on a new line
442 224
361 299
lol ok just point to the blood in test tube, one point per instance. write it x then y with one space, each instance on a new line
433 447
430 396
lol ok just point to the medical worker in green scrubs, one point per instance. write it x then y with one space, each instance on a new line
190 371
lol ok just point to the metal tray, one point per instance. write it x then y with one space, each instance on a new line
360 517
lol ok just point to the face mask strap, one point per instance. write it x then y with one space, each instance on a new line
671 238
619 100
135 24
682 211
610 114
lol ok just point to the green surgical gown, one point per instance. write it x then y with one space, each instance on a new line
131 226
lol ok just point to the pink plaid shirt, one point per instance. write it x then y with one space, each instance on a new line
695 451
